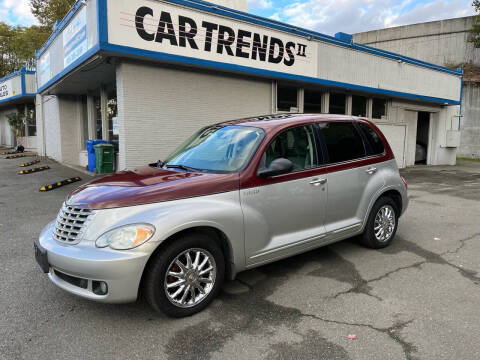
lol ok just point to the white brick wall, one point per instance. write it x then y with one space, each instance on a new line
158 108
70 126
62 128
52 127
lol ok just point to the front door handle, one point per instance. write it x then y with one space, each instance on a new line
371 170
318 182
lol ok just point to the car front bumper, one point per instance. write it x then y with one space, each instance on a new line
84 264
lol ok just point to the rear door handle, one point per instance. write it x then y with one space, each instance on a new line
371 170
318 182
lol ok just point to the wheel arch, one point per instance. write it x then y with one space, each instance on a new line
392 193
215 233
396 197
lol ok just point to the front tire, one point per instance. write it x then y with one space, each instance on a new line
184 278
382 224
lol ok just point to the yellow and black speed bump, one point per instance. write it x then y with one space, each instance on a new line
59 184
17 156
8 153
30 163
33 170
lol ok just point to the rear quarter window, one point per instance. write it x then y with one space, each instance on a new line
377 146
343 142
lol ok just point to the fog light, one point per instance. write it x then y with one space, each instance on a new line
99 287
83 283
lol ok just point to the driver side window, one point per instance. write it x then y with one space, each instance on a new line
297 145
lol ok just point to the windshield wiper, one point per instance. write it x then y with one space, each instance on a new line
182 167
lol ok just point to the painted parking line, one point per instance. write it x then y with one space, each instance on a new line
59 184
33 170
30 163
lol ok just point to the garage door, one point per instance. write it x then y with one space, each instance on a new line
396 135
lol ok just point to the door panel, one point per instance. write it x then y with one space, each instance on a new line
344 195
352 181
280 216
286 212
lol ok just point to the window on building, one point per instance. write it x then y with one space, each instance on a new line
286 98
312 101
376 144
379 108
359 106
21 111
296 145
31 120
84 115
338 103
343 141
112 113
97 103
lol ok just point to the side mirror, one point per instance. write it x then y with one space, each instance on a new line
277 167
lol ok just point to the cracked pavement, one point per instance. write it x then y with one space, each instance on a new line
417 299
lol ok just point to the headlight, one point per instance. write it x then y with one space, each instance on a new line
126 237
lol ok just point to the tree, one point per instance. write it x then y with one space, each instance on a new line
49 11
475 37
17 123
18 45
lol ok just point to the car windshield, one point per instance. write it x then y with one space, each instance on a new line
224 149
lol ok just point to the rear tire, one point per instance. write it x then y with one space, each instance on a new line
381 225
190 286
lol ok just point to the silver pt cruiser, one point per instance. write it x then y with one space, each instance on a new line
235 196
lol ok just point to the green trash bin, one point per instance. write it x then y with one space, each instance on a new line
105 158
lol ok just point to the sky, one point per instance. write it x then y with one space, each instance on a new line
352 16
326 16
16 12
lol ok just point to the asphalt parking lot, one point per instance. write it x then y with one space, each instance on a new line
418 299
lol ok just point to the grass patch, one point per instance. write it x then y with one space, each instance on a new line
467 159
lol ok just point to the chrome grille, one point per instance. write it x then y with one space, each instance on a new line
71 223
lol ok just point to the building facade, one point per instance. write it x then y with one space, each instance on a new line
17 95
443 43
146 74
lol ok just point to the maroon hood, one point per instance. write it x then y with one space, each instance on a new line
149 185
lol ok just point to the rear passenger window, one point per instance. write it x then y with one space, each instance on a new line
376 144
343 141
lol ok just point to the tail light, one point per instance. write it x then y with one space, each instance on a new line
404 182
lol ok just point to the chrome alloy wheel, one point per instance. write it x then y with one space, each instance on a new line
190 278
384 224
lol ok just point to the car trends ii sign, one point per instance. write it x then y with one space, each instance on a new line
6 90
172 29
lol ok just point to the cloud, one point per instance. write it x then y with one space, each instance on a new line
16 12
352 16
259 4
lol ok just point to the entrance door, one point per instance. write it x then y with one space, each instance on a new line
422 138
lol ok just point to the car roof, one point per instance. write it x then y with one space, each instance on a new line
272 122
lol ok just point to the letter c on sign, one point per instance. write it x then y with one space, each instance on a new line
139 23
